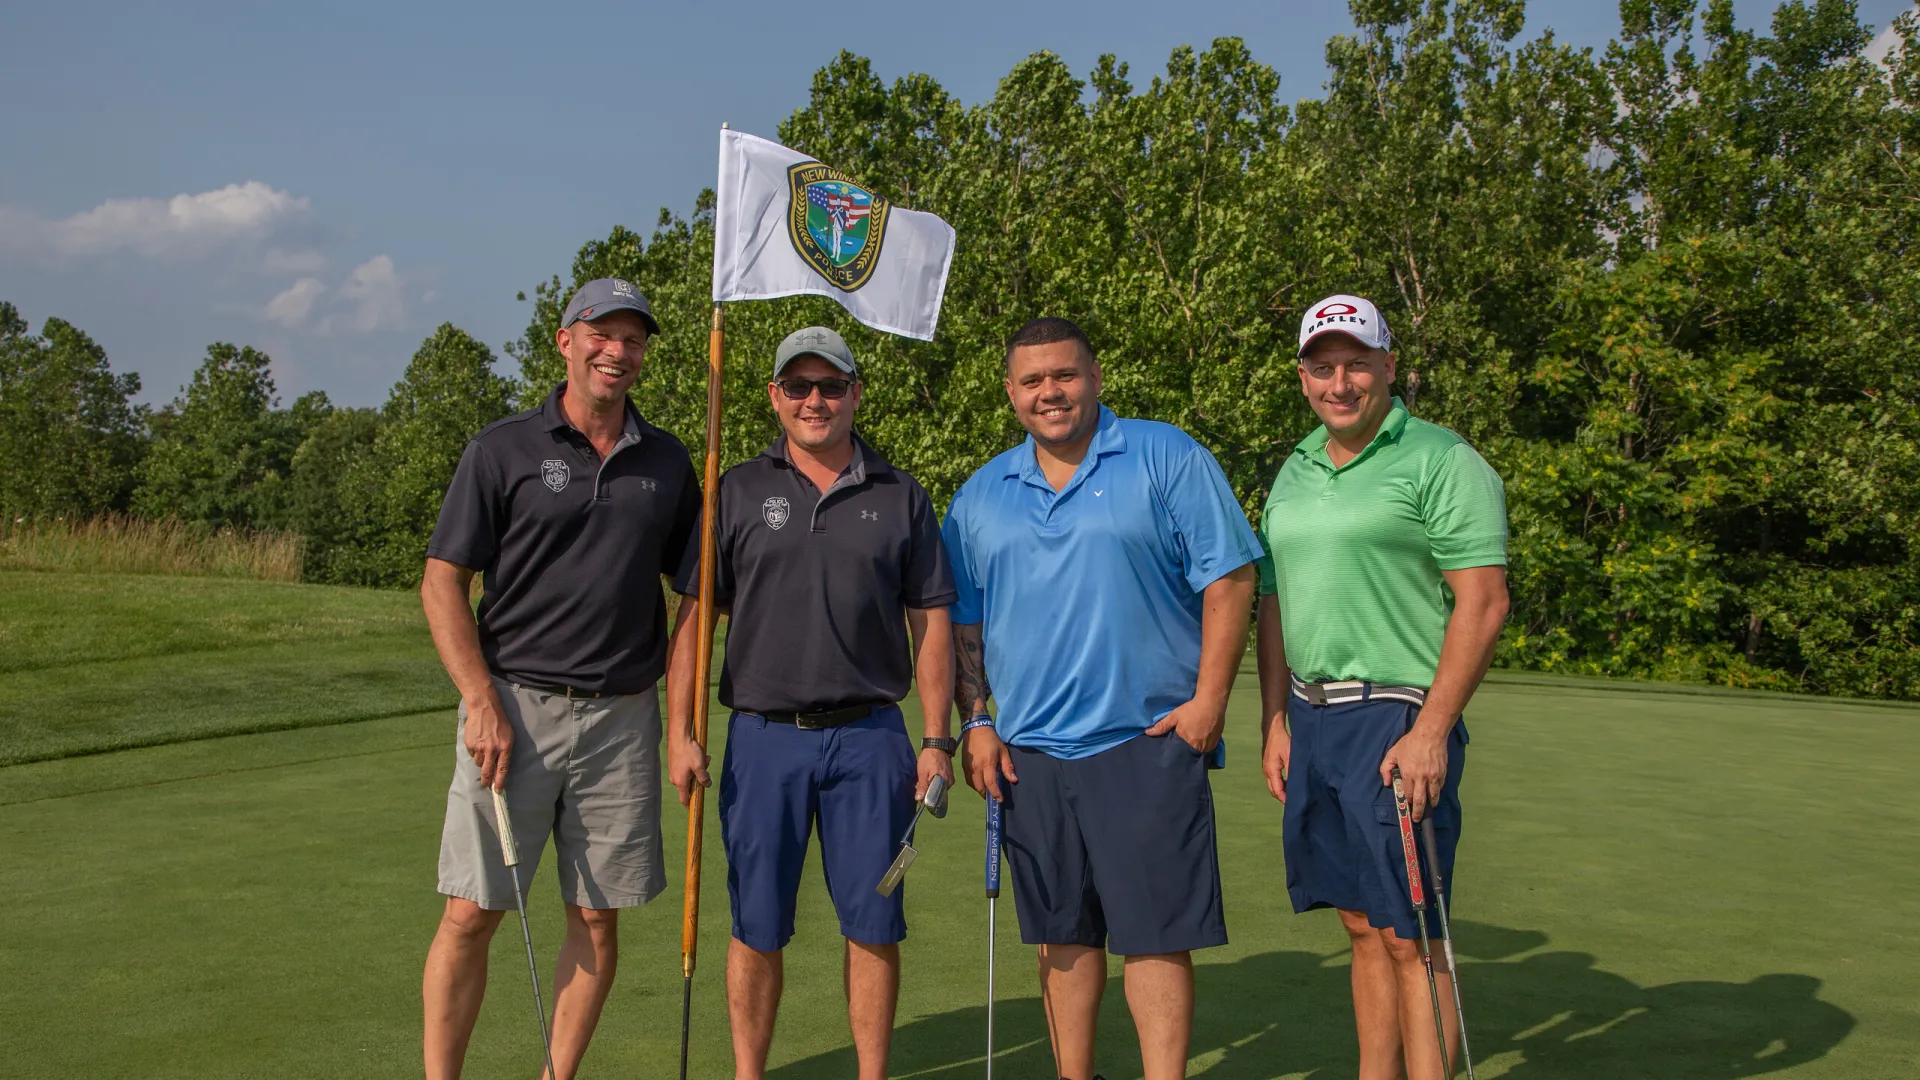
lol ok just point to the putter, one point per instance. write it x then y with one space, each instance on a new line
1419 897
935 800
1446 934
993 894
510 851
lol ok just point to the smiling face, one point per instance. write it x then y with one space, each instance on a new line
815 423
603 356
1055 391
1348 384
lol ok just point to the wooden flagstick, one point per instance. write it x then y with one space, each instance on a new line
703 664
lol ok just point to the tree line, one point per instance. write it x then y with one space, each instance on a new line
1667 287
361 486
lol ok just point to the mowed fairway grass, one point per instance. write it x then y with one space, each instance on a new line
1659 885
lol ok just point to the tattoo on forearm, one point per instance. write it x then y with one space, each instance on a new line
970 669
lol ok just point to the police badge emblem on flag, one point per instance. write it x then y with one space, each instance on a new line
835 224
775 510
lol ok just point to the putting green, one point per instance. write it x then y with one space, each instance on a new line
1658 885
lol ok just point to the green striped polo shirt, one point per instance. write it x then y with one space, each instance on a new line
1355 552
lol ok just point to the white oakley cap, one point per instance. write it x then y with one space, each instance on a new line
1343 314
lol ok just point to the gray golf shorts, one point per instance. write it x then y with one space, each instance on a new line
586 773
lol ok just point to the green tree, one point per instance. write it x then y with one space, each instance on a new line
334 523
70 438
390 495
221 450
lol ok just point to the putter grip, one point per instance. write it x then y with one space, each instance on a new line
993 847
509 850
1414 888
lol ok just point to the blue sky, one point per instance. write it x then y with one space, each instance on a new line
330 181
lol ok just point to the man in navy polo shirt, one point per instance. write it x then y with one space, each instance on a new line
826 557
573 511
1105 578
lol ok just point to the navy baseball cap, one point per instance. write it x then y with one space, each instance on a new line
608 294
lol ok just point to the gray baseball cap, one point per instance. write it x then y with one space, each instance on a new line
815 341
602 296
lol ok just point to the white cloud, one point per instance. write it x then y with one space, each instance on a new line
183 226
371 298
1884 42
297 261
295 303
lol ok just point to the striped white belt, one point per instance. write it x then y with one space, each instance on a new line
1344 693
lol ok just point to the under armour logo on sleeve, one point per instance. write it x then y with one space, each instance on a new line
870 515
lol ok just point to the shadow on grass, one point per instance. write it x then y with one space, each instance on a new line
1532 1015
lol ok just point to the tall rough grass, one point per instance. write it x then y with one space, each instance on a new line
114 544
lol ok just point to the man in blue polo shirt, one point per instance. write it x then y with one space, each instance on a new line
1105 578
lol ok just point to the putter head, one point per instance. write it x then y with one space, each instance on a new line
935 799
891 880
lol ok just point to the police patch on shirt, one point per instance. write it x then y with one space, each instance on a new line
776 511
554 472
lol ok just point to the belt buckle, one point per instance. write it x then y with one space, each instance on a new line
1316 694
808 721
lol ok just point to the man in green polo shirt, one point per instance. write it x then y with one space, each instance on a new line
1381 601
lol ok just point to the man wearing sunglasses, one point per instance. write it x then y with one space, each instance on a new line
826 557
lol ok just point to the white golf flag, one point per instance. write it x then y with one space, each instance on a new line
786 225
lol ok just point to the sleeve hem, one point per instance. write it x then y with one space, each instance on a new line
1468 562
1224 568
945 599
462 559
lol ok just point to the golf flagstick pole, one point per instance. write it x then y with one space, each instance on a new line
703 665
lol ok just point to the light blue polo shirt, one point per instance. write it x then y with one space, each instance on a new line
1091 597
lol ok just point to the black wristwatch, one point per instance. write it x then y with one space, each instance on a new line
948 745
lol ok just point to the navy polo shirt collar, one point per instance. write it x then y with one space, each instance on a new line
866 461
1108 438
555 418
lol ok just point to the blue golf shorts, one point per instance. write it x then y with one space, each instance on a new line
856 782
1116 849
1341 832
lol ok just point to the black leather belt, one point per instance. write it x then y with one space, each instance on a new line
815 721
571 693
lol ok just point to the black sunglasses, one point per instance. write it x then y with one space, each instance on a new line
802 389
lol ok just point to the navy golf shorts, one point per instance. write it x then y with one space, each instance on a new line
1341 833
856 782
1116 849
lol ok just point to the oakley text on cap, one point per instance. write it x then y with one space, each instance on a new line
1342 313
